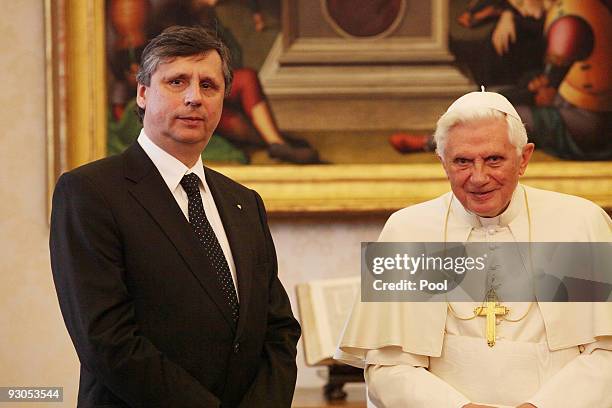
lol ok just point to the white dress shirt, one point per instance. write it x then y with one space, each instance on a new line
172 171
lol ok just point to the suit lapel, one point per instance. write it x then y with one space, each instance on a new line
233 214
150 190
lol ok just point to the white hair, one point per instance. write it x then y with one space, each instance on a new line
517 134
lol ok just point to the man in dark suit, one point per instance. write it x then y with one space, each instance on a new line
165 270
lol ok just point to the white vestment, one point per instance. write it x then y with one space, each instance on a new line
419 355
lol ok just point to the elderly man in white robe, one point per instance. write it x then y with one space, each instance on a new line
433 354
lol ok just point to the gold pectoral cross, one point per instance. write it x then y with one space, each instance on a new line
491 311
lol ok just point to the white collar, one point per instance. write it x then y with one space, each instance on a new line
503 220
171 169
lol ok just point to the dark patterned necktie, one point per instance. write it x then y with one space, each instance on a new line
208 239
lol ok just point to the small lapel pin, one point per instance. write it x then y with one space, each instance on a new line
239 206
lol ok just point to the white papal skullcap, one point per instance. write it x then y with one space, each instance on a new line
484 99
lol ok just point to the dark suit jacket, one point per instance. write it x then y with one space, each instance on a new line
143 306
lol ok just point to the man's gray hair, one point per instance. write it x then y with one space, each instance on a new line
180 41
517 134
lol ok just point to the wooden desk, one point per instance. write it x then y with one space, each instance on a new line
313 398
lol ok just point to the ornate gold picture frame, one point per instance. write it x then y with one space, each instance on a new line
76 129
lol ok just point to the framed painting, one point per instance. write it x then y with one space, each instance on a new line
308 71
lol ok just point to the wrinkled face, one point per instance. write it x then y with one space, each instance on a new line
483 166
183 103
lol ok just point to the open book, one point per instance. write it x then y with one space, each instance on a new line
324 308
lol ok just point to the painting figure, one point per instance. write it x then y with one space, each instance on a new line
128 21
499 43
571 113
511 49
567 107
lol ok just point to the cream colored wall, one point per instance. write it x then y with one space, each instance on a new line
319 249
34 346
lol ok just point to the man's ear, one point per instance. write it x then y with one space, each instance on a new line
141 96
525 157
